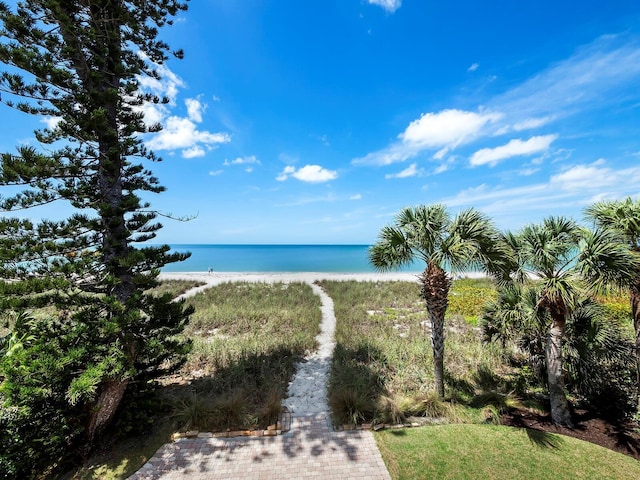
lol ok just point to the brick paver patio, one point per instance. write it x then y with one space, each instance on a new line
310 450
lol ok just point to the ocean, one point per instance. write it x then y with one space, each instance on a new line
276 258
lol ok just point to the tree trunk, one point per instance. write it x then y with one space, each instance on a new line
635 313
115 234
560 413
435 290
105 408
437 344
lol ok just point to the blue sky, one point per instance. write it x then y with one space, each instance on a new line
316 121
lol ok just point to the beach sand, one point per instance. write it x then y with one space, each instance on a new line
216 278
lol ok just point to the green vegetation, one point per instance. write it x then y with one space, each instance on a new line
457 452
246 341
174 288
570 264
597 351
382 366
428 233
623 217
382 371
246 338
468 297
65 375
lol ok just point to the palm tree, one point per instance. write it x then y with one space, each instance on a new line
595 351
568 262
623 216
428 233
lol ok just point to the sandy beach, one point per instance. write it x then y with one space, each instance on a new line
216 278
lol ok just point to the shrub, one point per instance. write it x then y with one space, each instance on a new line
39 422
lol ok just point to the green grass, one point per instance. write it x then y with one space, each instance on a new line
173 287
458 452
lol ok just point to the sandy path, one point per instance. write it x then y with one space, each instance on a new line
308 389
307 392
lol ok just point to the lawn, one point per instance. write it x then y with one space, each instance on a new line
460 452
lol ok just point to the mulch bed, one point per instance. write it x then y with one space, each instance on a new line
623 436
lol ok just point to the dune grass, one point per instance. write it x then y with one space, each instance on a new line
247 339
175 287
383 362
461 452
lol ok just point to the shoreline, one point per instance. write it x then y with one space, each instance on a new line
215 278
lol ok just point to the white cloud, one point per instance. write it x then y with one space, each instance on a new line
444 130
410 171
153 114
388 5
483 193
194 109
308 173
357 196
166 86
51 122
248 160
182 133
193 152
515 147
177 132
528 171
288 170
596 77
443 167
583 81
595 176
572 187
530 123
439 155
473 67
215 173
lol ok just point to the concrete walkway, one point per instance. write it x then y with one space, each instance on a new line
311 449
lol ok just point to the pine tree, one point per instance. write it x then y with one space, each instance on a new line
79 62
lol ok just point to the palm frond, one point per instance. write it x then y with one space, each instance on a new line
622 216
605 260
392 250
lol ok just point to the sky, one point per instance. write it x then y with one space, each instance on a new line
316 121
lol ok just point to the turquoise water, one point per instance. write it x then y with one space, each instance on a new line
275 258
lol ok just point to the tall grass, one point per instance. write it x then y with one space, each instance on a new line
383 362
175 287
247 339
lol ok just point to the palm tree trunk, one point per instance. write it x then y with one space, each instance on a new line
560 413
435 285
635 312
